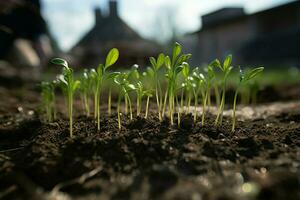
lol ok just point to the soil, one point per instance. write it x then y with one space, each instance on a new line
147 159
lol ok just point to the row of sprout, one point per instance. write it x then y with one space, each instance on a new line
182 90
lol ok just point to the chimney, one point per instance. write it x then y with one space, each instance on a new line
98 15
113 8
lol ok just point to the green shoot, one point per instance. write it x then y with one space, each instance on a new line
98 76
174 67
156 65
226 69
188 84
141 91
69 86
199 81
244 78
85 87
48 99
121 79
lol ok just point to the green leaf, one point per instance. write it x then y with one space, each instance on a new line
227 62
150 72
76 85
160 60
210 72
112 57
183 58
153 62
178 69
185 69
131 86
168 62
100 70
176 51
216 63
113 75
254 72
60 61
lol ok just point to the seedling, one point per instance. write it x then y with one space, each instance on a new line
188 85
48 99
156 65
121 79
244 78
69 86
85 88
141 91
98 76
174 67
200 82
226 69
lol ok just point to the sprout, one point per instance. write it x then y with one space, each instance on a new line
85 88
174 67
121 79
141 91
199 81
226 69
48 99
98 76
188 84
244 78
69 86
156 65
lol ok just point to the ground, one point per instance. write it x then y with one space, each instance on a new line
148 159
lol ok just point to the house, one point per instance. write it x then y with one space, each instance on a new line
270 37
111 31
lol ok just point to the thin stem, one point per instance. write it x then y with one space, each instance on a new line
130 107
70 105
157 98
204 107
195 105
233 110
118 111
217 95
221 107
95 104
181 101
126 106
98 114
178 112
86 105
189 101
109 102
165 102
147 107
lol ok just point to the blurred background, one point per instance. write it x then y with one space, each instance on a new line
257 32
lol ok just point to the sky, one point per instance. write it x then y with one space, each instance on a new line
69 20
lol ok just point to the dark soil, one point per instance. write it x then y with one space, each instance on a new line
152 160
146 159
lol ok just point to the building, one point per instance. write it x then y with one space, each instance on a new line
269 37
111 31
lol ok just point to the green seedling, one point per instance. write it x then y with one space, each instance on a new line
48 99
141 91
121 79
98 76
156 65
244 78
201 87
85 88
174 67
69 86
226 69
188 86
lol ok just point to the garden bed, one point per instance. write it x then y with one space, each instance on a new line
148 159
